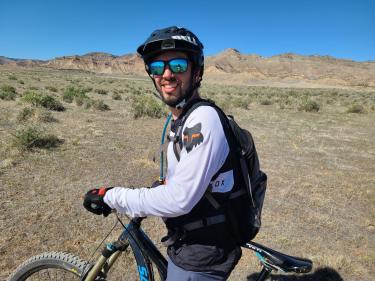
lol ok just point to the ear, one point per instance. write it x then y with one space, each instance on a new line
196 74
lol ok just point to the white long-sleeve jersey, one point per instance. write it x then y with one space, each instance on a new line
204 151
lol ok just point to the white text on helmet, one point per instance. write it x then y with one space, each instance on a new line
185 38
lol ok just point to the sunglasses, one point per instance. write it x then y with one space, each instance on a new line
175 65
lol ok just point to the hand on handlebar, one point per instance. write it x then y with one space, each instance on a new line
157 183
94 203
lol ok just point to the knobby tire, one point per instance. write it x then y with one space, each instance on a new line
50 266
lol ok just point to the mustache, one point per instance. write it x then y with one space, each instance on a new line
171 79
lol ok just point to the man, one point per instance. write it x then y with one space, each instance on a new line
200 245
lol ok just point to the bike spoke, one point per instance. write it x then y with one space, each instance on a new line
53 274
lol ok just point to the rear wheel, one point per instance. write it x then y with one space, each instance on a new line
50 266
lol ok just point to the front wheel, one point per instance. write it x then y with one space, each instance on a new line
50 266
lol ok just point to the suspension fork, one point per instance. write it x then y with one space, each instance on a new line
109 256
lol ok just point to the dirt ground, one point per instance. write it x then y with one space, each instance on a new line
320 202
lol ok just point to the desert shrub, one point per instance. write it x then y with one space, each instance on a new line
31 137
265 102
309 106
80 100
116 96
87 89
44 116
240 103
147 106
21 82
36 114
12 77
69 94
224 104
25 114
101 92
87 103
42 100
356 108
8 93
74 93
100 105
52 89
33 88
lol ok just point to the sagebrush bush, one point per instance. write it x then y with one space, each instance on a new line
12 77
309 106
25 114
52 89
8 92
87 89
44 116
72 92
225 104
241 103
116 96
265 102
87 103
356 108
147 106
36 114
100 105
42 100
79 100
30 137
101 91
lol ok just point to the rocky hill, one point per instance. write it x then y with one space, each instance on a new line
230 66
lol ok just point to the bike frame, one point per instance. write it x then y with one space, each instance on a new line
146 253
144 250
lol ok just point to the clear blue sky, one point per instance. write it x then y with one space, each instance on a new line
46 29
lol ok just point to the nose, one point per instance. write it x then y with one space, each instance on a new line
167 72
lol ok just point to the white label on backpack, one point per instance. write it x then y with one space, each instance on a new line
223 183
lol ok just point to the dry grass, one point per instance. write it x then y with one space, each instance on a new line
320 202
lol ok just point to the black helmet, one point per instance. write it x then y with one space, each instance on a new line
172 38
175 39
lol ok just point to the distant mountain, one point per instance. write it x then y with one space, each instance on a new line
100 63
230 66
20 62
290 68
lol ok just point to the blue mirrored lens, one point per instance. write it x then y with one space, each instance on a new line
178 65
157 67
175 65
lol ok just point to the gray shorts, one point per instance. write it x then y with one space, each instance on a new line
176 273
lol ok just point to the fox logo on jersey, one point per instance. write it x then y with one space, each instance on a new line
192 136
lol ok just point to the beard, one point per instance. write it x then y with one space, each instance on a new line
175 100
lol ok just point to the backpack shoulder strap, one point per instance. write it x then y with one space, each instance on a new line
177 139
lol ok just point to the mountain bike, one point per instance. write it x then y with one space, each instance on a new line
65 266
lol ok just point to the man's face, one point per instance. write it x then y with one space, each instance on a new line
172 86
